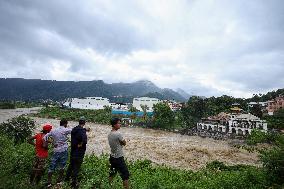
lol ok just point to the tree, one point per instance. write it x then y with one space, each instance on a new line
7 105
133 110
256 110
163 116
144 109
193 111
276 120
107 109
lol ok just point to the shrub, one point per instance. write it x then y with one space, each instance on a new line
256 136
216 165
273 161
18 128
16 163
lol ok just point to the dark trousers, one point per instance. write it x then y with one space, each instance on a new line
74 168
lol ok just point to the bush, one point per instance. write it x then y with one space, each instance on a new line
256 136
16 163
273 161
216 165
18 129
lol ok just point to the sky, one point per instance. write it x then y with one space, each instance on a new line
205 47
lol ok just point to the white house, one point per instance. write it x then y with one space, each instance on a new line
244 123
94 103
240 124
149 102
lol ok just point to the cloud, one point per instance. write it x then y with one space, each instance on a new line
205 47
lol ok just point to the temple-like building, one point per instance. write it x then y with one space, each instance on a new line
239 124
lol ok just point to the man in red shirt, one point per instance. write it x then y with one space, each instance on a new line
41 154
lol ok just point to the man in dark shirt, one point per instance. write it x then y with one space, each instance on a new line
78 148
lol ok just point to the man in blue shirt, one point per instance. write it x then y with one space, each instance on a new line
78 149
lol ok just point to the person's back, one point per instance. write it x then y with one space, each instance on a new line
60 151
41 151
60 138
41 154
78 148
78 141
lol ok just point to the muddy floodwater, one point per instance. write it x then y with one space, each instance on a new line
161 147
6 114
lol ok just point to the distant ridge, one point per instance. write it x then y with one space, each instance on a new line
183 93
37 89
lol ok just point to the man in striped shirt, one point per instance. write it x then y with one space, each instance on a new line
59 137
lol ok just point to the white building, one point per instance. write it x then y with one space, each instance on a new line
119 106
244 123
149 102
240 124
175 106
94 103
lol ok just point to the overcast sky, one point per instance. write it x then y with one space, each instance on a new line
205 47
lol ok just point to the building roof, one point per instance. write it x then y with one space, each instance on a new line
236 109
247 116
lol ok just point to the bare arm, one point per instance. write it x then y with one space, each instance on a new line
31 140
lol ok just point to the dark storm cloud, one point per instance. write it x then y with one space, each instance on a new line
25 25
84 27
227 47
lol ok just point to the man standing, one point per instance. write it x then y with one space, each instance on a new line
60 152
41 154
116 142
78 148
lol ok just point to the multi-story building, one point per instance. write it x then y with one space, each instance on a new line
145 101
239 124
119 106
275 104
94 103
175 106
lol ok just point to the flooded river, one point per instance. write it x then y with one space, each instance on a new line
165 148
161 147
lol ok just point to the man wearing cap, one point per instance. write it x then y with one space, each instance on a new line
59 157
41 154
78 148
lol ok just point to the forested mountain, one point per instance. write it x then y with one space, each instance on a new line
183 93
268 96
36 89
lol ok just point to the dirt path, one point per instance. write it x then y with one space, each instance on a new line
165 148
